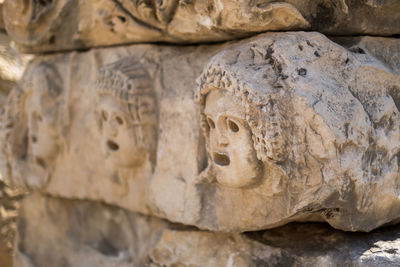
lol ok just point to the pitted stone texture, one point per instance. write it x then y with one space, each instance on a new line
315 126
60 232
38 26
387 50
293 245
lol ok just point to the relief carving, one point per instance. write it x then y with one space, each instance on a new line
34 126
242 129
297 128
289 120
127 116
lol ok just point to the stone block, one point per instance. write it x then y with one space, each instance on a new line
235 137
58 25
86 233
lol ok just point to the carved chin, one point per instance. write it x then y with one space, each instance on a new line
231 173
229 177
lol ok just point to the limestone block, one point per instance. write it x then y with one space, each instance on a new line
56 232
60 232
236 137
387 50
292 245
12 65
38 26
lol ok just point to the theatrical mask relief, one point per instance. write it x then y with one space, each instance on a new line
151 132
35 125
283 117
126 111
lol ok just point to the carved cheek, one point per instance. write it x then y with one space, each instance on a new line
44 143
241 138
213 140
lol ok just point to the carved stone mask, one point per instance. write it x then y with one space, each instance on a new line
230 143
43 144
123 137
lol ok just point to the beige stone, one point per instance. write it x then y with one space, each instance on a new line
38 107
85 233
387 50
12 65
278 128
56 232
38 26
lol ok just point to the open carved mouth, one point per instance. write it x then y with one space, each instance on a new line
41 162
221 159
112 145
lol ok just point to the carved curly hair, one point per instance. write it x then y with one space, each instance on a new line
263 109
126 80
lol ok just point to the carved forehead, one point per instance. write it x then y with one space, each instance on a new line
223 102
125 80
44 79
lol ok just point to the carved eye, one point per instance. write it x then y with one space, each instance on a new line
211 123
45 2
122 19
119 120
104 115
233 126
39 118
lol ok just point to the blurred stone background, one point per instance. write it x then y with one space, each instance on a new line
12 65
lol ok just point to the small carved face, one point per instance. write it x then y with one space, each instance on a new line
122 138
230 145
43 145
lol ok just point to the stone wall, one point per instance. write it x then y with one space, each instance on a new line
205 133
12 66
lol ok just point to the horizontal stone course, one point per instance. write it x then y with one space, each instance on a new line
236 137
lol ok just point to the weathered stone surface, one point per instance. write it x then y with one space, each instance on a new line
83 233
387 50
12 65
74 233
292 245
283 127
9 205
38 25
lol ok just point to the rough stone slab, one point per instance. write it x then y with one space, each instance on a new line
38 26
281 127
56 232
12 65
84 233
387 50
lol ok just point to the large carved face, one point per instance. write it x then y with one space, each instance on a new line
230 144
42 137
123 138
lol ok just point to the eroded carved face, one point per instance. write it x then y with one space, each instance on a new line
123 138
42 137
230 145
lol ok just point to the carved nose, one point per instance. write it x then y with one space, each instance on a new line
112 131
112 145
223 140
